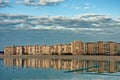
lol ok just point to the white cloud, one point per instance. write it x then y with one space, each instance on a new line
80 23
29 2
7 22
56 28
94 17
47 2
86 7
4 3
40 2
97 25
76 7
82 6
87 4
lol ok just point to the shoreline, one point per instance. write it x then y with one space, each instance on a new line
79 57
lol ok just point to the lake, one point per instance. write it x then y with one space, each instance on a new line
36 68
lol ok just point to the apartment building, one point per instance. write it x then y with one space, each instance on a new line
55 49
113 48
18 50
74 48
60 49
8 51
51 50
118 49
66 49
90 48
110 48
100 46
77 48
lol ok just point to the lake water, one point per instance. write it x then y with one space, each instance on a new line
58 69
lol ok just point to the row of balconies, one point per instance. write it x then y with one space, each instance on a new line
75 48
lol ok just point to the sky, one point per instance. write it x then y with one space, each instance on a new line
60 7
24 22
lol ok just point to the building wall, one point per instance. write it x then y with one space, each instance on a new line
51 49
75 48
47 50
7 51
37 50
60 49
19 50
101 49
110 48
118 49
25 50
107 48
66 49
55 49
90 48
113 48
95 48
13 50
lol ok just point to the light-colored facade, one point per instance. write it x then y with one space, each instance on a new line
60 49
77 48
55 49
25 50
113 48
18 50
110 48
118 49
51 49
47 50
90 48
101 49
74 48
66 49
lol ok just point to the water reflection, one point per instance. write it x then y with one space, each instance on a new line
68 65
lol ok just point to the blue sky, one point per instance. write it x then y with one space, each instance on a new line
64 7
29 22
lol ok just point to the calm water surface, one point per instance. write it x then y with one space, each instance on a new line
58 69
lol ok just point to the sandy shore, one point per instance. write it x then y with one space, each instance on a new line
86 57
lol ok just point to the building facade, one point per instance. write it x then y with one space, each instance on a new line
74 48
77 48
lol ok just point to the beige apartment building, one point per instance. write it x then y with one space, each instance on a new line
18 50
118 49
14 50
47 50
101 49
110 48
74 48
55 49
66 49
60 49
113 48
90 48
51 50
8 51
77 48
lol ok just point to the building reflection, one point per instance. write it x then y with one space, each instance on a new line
64 64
